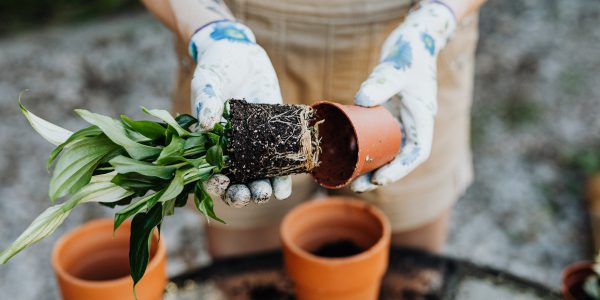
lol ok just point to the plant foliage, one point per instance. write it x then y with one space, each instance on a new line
145 167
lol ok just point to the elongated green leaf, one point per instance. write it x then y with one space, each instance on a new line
81 134
136 207
124 164
152 130
139 241
46 223
75 167
116 132
167 118
168 208
185 121
204 203
174 188
138 183
52 133
214 156
170 192
194 145
174 149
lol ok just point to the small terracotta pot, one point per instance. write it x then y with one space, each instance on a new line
573 278
354 141
316 223
90 264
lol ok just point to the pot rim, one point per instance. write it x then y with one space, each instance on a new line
336 201
572 269
340 107
159 256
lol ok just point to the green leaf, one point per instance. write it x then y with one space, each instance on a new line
125 164
168 193
185 121
214 138
167 118
152 130
74 168
50 132
83 133
170 153
218 129
98 190
214 156
138 183
141 233
194 145
174 188
136 207
116 132
168 208
204 203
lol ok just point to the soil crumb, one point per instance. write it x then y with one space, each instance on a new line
341 248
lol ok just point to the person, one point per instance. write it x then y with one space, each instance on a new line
414 57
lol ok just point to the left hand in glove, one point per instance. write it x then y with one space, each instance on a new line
405 81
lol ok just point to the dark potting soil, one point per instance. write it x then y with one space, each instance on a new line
341 248
339 152
269 140
269 292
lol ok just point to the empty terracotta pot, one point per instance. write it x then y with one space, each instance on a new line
573 278
91 264
354 141
316 225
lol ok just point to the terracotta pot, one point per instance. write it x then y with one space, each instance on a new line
90 264
573 278
316 223
354 141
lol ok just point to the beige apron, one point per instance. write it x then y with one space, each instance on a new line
325 50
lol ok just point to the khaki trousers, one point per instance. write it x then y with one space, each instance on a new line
324 50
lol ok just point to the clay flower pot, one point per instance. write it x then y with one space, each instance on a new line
90 264
573 278
354 141
316 225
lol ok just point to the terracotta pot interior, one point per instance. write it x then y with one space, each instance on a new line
339 151
98 256
574 283
333 224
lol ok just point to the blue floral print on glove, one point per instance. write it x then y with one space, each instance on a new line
405 82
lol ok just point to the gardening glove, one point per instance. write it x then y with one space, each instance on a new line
230 64
405 83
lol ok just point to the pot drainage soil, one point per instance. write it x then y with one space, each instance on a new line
341 248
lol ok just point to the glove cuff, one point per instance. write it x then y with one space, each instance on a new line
218 30
435 19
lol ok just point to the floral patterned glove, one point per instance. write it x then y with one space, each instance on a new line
230 64
405 82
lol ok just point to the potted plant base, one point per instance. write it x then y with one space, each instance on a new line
334 142
91 264
336 249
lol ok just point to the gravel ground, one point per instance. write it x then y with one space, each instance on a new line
535 112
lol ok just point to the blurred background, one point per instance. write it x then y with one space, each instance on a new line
536 130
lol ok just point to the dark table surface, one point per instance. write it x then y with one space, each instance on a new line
411 275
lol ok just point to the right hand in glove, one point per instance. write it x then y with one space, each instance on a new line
230 64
